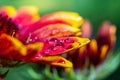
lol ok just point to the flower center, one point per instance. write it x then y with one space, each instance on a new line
7 25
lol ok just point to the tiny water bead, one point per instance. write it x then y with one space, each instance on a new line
55 42
61 61
55 46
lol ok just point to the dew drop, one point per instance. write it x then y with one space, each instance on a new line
61 61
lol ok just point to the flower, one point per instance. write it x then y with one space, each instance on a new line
28 38
97 50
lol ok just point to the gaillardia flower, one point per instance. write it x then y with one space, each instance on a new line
25 37
97 50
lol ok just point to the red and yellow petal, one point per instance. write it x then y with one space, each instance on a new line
53 60
56 30
70 18
56 46
78 43
67 18
93 48
52 31
49 31
106 35
11 48
32 50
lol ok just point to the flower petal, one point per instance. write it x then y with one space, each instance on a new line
53 60
69 18
32 50
56 46
93 48
54 30
11 48
106 35
78 56
103 53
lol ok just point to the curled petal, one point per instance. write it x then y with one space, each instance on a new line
69 18
83 41
8 10
32 50
56 46
106 35
11 48
53 60
36 46
49 31
55 30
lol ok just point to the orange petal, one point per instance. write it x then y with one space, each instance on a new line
55 30
69 18
104 51
36 46
11 48
93 52
32 50
93 48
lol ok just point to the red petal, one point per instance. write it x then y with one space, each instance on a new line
56 46
55 30
107 35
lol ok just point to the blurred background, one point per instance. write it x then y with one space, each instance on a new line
96 11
